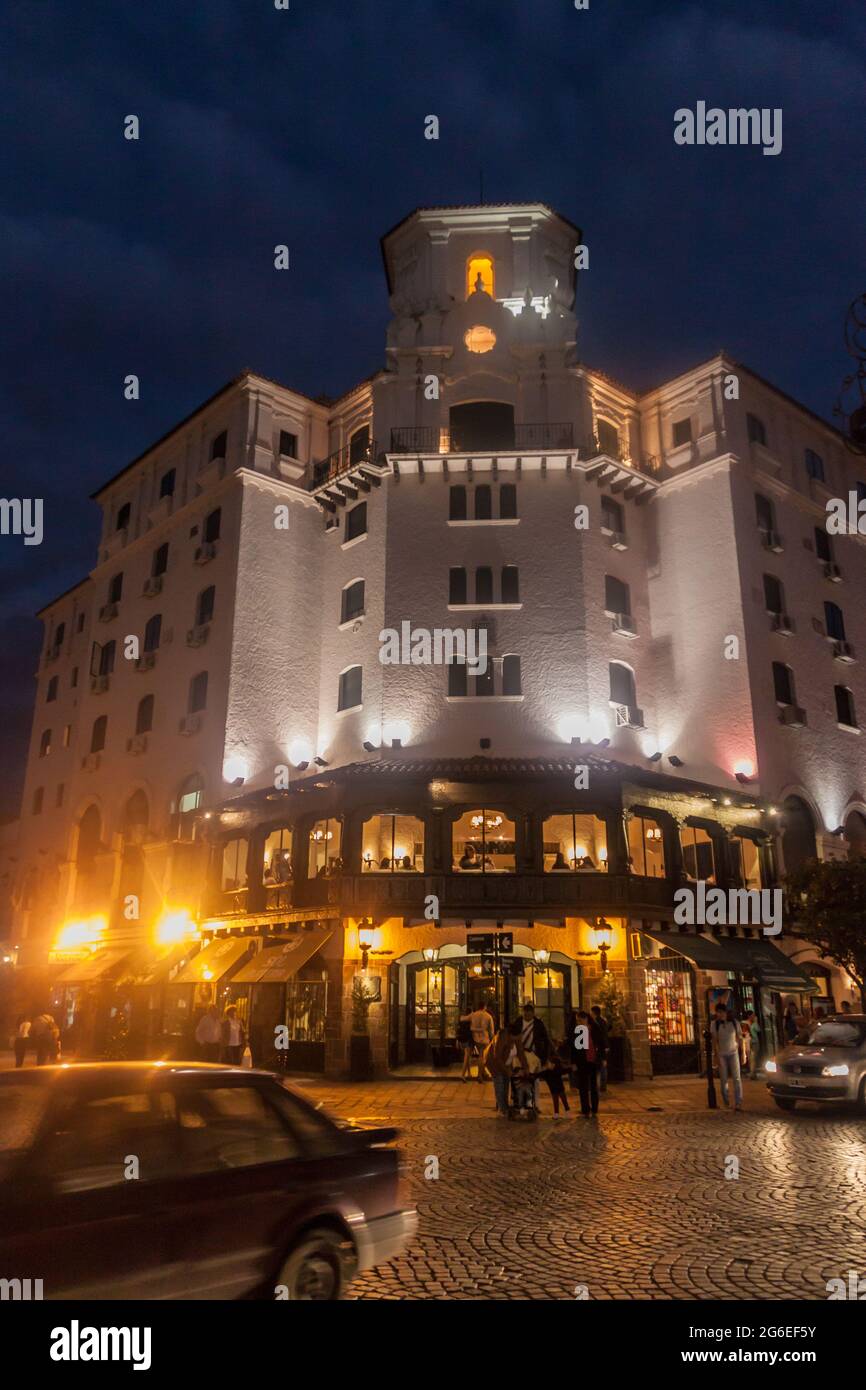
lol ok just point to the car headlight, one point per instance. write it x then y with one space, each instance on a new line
837 1069
771 1066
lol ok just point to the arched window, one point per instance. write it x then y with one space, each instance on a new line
136 813
765 513
483 841
51 692
855 834
349 692
484 584
575 843
457 502
622 686
699 859
798 834
97 736
480 264
359 445
89 836
834 622
152 631
845 710
212 526
198 693
510 584
392 844
783 684
204 606
277 858
483 502
45 743
646 846
617 599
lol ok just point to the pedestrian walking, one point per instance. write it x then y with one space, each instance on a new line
481 1028
21 1039
209 1034
586 1044
464 1040
536 1042
554 1071
727 1042
504 1057
601 1024
752 1041
234 1038
46 1039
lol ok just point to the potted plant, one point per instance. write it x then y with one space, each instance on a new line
360 1052
612 1001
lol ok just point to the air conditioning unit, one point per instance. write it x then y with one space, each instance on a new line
624 624
90 762
618 540
628 716
190 724
99 684
793 716
206 552
137 744
197 636
783 624
843 651
152 586
107 612
832 572
146 661
771 540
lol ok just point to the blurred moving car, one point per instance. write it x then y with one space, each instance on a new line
186 1180
825 1062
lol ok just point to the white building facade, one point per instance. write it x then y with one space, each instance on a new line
672 687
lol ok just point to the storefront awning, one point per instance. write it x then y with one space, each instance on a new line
214 961
746 956
87 972
249 921
276 964
157 971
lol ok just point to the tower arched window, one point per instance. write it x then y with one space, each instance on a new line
480 264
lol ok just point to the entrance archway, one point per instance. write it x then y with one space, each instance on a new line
798 836
478 426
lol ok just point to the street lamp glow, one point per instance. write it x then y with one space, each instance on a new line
174 927
570 727
236 769
300 751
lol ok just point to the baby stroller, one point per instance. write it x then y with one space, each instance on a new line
521 1104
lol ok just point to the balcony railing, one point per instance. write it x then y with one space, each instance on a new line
372 894
551 436
415 439
329 470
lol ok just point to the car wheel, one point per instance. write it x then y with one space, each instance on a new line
312 1271
784 1102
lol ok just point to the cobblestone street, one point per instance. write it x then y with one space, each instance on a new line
633 1205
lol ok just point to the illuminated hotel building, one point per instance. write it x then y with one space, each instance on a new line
672 690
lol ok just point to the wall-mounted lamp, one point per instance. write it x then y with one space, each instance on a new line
602 937
302 767
430 954
675 761
542 956
320 762
742 778
655 757
396 743
368 746
603 743
840 830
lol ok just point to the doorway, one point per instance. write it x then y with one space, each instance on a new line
481 426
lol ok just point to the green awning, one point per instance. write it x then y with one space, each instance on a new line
709 955
745 956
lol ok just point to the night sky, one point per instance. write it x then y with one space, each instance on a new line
261 126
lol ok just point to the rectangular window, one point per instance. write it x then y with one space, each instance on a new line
484 584
511 684
356 521
198 693
823 545
159 564
612 516
682 432
115 588
616 596
324 858
457 683
457 503
510 584
834 622
212 525
507 502
746 861
205 606
457 585
483 503
845 711
288 444
698 856
166 483
756 430
152 632
783 683
353 601
608 438
646 847
773 597
349 696
218 447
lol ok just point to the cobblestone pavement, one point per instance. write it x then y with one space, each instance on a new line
633 1205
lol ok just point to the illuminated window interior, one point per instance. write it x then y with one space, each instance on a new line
479 339
325 849
646 847
483 266
575 844
393 844
484 842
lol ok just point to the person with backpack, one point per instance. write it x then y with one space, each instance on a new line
727 1044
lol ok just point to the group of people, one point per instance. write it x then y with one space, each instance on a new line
523 1053
40 1033
221 1038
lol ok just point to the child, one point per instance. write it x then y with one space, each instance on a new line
554 1071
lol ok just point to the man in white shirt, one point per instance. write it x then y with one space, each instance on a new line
481 1027
209 1034
726 1035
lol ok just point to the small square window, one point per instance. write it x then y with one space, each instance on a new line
288 444
682 432
814 466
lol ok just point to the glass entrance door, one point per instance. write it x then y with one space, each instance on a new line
438 995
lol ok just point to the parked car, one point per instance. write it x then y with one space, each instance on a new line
825 1062
186 1180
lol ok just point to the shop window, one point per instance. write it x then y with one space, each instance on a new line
575 842
306 1012
324 859
144 716
352 605
699 859
233 872
350 687
393 844
457 502
204 606
548 989
845 712
646 847
670 1006
435 1004
356 522
191 793
746 865
483 841
277 859
480 266
166 483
